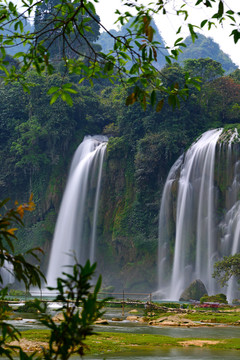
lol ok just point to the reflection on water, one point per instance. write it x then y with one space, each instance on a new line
179 354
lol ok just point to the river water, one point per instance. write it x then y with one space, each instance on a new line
179 354
29 322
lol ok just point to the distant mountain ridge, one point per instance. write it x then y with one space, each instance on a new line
203 47
206 47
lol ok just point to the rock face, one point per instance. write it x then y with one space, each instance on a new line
194 292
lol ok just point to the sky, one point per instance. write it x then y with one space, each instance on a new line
168 24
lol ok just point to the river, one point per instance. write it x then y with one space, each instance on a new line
29 321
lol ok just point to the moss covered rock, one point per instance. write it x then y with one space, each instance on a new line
194 291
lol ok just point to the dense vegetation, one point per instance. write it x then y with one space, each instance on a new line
205 47
37 142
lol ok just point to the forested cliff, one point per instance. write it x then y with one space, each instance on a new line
37 142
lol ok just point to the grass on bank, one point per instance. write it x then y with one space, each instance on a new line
224 315
121 342
215 317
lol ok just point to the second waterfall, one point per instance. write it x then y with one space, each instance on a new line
200 214
75 230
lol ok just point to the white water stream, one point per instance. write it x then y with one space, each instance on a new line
75 231
7 275
191 239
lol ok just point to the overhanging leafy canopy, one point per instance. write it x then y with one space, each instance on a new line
68 27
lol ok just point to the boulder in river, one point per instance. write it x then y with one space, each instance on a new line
194 291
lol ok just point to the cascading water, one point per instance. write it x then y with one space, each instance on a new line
6 272
75 231
200 214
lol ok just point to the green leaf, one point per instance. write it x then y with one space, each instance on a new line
203 23
168 60
232 18
192 32
72 91
54 98
52 90
25 88
220 8
236 35
179 30
153 97
178 41
66 97
81 80
124 55
134 69
91 7
207 3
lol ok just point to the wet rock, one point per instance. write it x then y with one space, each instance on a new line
133 311
132 318
58 317
116 319
101 322
173 321
194 291
142 320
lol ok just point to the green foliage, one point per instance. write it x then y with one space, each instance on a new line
107 43
226 268
236 302
23 270
235 75
17 293
66 30
206 48
27 146
74 291
144 146
5 309
171 305
219 298
207 69
28 307
221 100
34 135
85 33
106 342
116 146
213 316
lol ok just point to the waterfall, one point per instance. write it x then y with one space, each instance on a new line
199 221
166 228
6 272
75 230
